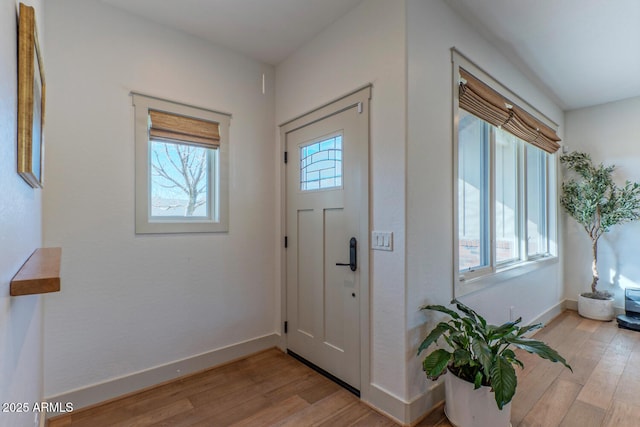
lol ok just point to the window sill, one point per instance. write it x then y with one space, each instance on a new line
464 287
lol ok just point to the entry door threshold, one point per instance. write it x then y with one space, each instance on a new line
321 371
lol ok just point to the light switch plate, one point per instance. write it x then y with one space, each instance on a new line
382 240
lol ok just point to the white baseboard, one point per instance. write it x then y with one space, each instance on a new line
546 316
571 304
385 402
425 403
111 389
404 413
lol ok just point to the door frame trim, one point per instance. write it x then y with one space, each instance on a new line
360 96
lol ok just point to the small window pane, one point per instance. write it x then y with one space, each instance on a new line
473 187
536 201
179 180
321 164
506 200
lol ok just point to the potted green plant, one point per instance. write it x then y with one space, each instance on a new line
591 197
481 379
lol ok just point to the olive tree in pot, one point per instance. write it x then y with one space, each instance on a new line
481 379
591 197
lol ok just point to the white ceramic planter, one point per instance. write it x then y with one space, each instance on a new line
466 407
596 309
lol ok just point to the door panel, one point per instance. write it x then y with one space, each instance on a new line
326 189
334 307
309 284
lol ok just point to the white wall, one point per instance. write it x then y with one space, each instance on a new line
131 303
20 234
609 133
433 28
366 46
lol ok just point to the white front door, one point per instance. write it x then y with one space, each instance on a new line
327 234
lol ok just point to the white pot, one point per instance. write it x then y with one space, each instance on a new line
597 309
466 407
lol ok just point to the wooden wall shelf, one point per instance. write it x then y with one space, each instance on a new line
39 274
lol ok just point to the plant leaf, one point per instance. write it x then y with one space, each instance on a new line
539 348
472 315
484 355
477 382
435 364
461 357
433 336
442 309
503 381
524 329
498 332
511 357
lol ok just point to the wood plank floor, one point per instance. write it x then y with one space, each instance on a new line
273 389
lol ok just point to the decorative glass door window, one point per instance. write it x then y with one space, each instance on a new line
321 164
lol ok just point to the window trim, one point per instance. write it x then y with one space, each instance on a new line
488 276
144 224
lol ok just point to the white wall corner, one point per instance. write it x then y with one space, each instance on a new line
571 304
422 405
405 413
42 421
551 313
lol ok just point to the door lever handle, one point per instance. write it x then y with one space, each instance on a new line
353 255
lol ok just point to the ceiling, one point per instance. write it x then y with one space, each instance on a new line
582 52
266 30
586 52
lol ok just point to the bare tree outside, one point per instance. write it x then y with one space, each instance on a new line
180 177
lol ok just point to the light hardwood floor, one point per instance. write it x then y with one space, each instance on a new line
273 389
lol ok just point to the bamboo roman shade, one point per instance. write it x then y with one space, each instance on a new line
175 128
487 104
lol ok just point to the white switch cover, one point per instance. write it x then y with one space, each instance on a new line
382 240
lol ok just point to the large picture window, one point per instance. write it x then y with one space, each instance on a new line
503 184
181 168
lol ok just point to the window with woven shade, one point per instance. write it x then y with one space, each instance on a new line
181 167
490 106
504 180
180 129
